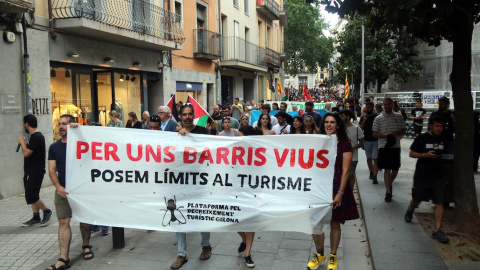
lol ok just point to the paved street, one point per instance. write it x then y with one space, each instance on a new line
394 244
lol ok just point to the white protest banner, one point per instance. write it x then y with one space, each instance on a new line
164 181
430 99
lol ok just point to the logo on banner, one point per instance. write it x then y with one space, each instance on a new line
172 209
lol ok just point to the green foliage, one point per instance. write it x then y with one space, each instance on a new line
386 53
306 43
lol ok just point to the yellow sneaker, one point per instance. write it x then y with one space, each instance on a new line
316 261
332 262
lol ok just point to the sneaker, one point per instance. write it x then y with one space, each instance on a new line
371 176
181 260
408 216
375 181
242 248
317 260
388 197
46 218
332 262
440 236
31 222
249 262
206 253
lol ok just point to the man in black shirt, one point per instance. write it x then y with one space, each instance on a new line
34 170
187 115
417 115
429 180
370 143
57 159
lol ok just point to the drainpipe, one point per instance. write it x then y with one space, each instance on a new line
26 66
50 21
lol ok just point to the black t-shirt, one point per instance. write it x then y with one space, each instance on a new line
368 127
428 169
217 117
418 112
137 125
58 152
199 130
449 126
35 164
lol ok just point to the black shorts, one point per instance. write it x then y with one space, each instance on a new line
429 190
32 184
389 158
417 129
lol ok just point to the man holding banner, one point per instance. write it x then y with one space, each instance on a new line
57 157
187 115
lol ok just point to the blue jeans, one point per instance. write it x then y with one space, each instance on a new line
182 242
103 228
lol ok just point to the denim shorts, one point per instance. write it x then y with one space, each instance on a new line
371 149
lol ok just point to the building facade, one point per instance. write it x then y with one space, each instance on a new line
85 58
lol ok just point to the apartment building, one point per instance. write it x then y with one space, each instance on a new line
85 58
196 66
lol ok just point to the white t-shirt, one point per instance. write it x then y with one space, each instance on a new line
355 134
232 133
277 128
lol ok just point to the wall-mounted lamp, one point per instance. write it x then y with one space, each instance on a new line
53 73
133 78
160 65
73 54
67 73
137 64
121 78
127 78
108 59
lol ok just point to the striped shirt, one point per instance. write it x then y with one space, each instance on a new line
386 124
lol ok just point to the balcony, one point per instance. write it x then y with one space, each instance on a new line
283 14
272 58
207 44
15 6
269 8
136 23
241 54
283 51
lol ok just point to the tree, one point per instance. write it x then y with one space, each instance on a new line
386 53
433 21
306 43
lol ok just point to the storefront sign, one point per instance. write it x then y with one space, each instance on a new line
188 86
11 103
165 181
40 106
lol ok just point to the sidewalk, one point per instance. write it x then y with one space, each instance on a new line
394 243
37 247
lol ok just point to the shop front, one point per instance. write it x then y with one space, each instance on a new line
183 89
90 93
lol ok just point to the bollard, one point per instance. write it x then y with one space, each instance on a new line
118 237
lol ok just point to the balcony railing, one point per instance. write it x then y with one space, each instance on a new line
269 8
272 57
235 48
15 6
136 15
207 44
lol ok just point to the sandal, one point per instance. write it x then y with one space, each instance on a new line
66 265
88 252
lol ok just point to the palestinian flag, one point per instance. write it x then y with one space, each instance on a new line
201 115
173 108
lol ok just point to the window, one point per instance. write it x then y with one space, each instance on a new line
246 6
302 81
178 11
429 81
235 3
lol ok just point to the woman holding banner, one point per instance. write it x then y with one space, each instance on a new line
264 125
344 206
297 126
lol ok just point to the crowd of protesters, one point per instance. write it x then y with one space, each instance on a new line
379 130
321 94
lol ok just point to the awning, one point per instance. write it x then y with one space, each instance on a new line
189 86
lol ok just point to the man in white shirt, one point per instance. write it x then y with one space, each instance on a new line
355 135
282 127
